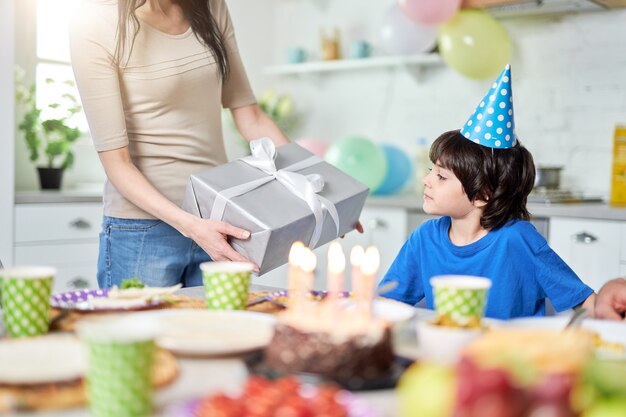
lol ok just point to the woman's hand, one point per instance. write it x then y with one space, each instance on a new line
212 236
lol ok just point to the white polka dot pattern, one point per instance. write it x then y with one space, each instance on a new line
461 305
119 378
492 123
26 306
226 290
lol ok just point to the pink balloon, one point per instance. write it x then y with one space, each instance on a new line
315 146
429 12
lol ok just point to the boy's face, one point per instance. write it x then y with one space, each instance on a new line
444 194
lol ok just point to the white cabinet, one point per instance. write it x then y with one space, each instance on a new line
387 228
61 235
594 249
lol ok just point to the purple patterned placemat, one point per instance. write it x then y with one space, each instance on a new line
71 298
79 300
315 294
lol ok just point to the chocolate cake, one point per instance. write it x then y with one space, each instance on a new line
341 352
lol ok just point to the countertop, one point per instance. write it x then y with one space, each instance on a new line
410 202
599 211
91 195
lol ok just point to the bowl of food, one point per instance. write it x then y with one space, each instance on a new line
444 344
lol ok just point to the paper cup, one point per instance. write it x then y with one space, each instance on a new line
120 354
226 284
26 299
460 299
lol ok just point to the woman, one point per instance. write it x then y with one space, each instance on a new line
153 76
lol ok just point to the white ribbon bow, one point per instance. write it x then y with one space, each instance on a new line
304 187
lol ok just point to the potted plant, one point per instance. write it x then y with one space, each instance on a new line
48 130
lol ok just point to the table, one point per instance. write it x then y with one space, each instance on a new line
202 376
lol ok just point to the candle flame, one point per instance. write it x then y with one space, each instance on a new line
371 262
336 258
295 257
308 260
356 256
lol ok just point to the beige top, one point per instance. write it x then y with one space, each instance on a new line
164 103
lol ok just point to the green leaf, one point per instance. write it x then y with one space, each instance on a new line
69 161
131 283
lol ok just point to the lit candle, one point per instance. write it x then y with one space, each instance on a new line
356 258
308 261
295 272
369 268
336 267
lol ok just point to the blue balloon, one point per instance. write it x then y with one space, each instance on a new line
399 170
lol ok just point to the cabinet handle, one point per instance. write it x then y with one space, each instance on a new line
377 224
79 283
584 237
80 224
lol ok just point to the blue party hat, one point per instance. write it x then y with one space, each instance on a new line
492 123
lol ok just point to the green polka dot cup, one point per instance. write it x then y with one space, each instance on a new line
226 284
120 355
26 299
460 300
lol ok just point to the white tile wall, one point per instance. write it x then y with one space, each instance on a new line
569 77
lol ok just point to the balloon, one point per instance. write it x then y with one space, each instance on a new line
474 44
400 36
315 146
429 12
399 170
360 158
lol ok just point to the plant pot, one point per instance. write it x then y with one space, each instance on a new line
50 178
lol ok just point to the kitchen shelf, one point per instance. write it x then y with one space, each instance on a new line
420 60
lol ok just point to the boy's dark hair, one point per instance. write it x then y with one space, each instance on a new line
501 177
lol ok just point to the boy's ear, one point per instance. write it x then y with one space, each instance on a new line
479 203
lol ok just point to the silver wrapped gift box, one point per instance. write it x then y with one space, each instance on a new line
281 195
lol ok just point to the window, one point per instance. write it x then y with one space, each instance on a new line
53 54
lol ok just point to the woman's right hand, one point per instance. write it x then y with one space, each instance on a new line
212 236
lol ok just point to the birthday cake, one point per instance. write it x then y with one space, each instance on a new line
335 339
339 353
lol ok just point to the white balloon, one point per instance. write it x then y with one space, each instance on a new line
401 36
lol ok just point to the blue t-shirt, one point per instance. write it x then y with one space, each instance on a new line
523 269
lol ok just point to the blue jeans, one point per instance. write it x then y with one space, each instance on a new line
150 250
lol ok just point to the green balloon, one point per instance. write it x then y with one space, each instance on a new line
474 44
360 158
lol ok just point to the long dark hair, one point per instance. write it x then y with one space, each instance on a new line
197 12
501 177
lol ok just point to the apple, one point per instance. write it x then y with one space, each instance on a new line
427 390
614 407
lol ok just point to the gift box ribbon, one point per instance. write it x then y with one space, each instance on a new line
305 187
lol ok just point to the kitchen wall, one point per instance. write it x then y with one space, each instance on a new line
569 77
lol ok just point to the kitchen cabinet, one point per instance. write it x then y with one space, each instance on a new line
64 236
594 249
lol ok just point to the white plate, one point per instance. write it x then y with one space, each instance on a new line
38 360
393 311
208 333
610 331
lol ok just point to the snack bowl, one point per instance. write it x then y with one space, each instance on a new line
444 344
